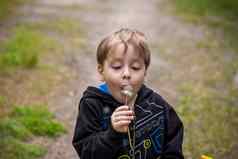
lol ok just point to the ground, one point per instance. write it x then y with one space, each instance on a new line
171 41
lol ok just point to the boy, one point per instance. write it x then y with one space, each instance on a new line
137 124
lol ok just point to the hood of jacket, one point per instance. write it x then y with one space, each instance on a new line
94 92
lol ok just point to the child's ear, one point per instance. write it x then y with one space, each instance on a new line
100 71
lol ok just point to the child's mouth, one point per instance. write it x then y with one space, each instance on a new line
127 91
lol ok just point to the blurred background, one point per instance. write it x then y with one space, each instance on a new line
47 58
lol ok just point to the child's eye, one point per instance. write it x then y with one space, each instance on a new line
136 68
116 67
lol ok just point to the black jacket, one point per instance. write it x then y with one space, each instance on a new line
159 131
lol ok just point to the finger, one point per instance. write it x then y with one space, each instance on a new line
122 123
124 113
124 107
121 118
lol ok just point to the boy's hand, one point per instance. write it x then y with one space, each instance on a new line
121 118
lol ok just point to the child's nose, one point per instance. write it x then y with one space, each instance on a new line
126 73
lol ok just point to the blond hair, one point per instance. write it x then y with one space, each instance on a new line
126 37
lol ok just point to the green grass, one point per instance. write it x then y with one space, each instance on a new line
221 15
23 49
70 29
210 120
10 127
208 99
208 106
15 149
2 100
38 120
3 106
226 8
21 125
27 43
58 25
7 7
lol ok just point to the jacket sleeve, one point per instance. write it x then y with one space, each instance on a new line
173 136
90 140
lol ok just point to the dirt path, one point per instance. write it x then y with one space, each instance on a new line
166 34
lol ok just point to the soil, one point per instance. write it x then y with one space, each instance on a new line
170 38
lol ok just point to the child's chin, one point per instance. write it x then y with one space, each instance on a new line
120 100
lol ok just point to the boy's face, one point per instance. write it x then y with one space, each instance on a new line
121 69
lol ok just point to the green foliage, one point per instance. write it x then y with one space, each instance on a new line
6 7
220 14
14 149
10 127
69 28
210 121
23 123
2 105
209 107
2 100
38 120
22 49
59 25
226 8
